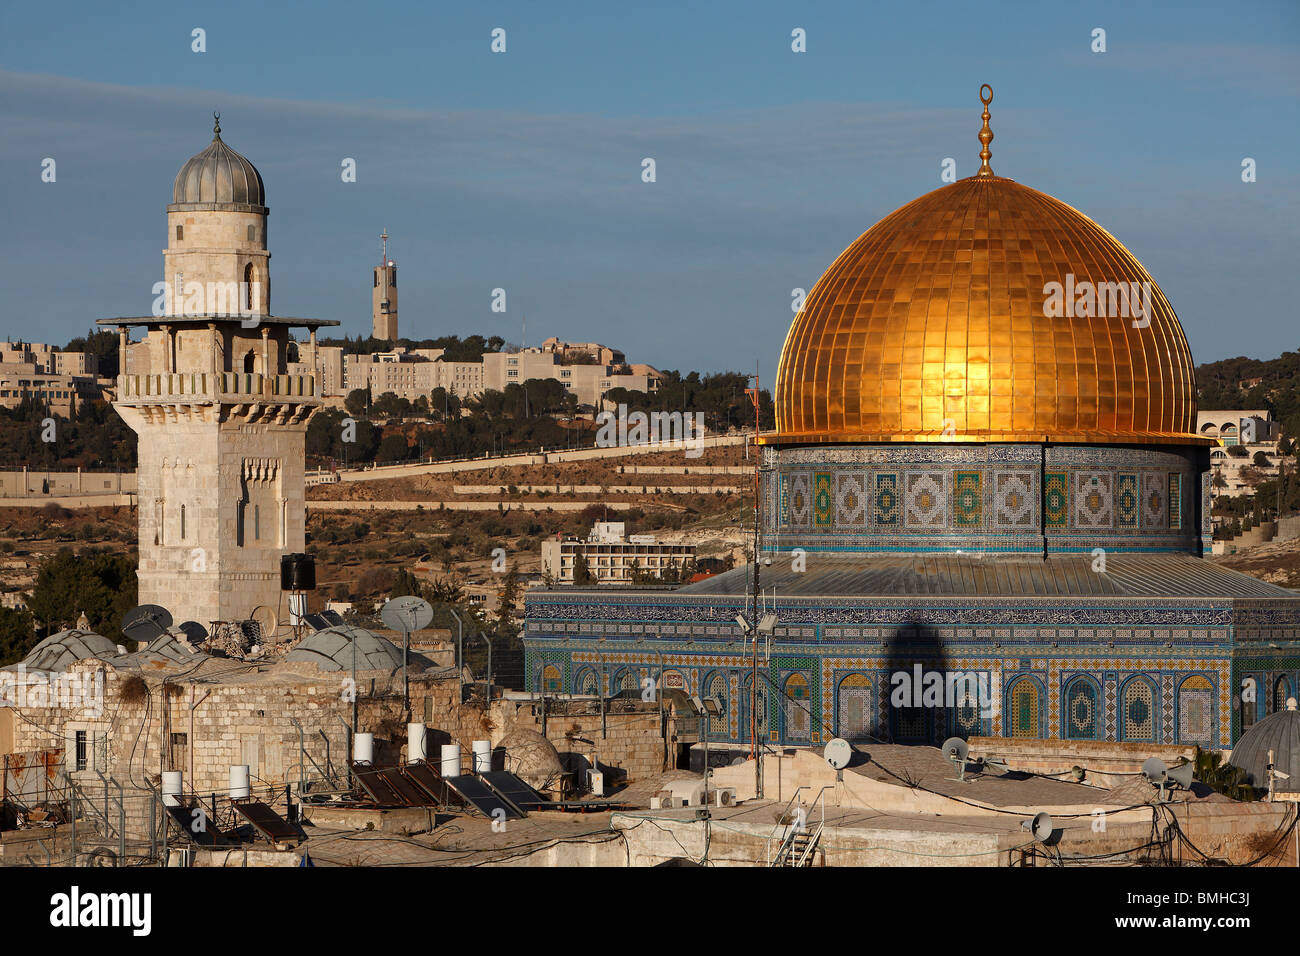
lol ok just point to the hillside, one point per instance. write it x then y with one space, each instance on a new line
1269 383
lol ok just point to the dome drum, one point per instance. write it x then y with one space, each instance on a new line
1009 498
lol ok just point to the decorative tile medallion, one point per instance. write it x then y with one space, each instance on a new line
850 500
968 502
1056 507
1126 501
927 500
1093 501
885 508
1153 500
1013 500
822 501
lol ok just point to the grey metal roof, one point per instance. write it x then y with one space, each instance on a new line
59 650
331 650
1280 733
218 174
969 575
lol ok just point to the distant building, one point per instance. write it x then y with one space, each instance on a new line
383 300
1249 432
54 379
586 381
613 557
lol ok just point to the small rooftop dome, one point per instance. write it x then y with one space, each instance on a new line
219 175
59 650
331 650
1280 733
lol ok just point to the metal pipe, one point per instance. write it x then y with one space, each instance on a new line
460 656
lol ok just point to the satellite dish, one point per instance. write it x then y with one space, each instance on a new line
1183 775
146 622
1040 826
194 632
993 765
407 614
266 621
956 750
1155 770
838 753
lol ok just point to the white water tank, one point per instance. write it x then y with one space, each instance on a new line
415 745
171 788
482 756
239 786
363 748
450 760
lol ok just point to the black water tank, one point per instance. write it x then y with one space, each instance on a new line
297 572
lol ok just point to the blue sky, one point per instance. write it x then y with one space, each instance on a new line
522 170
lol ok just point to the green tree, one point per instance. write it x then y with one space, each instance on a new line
98 582
1222 777
357 401
581 573
17 634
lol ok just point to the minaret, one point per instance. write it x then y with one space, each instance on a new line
221 425
383 298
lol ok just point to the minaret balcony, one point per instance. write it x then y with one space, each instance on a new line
211 387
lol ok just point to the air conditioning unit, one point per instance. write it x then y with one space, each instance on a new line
724 797
596 782
663 800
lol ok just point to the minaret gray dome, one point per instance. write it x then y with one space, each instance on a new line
219 175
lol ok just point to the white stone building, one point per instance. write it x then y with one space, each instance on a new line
614 557
1253 431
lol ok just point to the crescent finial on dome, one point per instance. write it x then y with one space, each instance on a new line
986 134
216 125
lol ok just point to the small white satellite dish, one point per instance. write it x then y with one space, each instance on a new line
407 614
838 753
1040 826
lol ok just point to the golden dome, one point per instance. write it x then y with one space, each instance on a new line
937 325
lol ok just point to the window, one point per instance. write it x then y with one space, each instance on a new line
182 522
1137 715
82 752
1081 710
248 287
551 679
857 707
180 232
1196 711
1024 708
257 522
252 233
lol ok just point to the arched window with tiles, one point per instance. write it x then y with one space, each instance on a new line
1026 709
716 690
797 703
1281 692
1081 719
1137 711
1196 710
552 679
857 708
587 683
